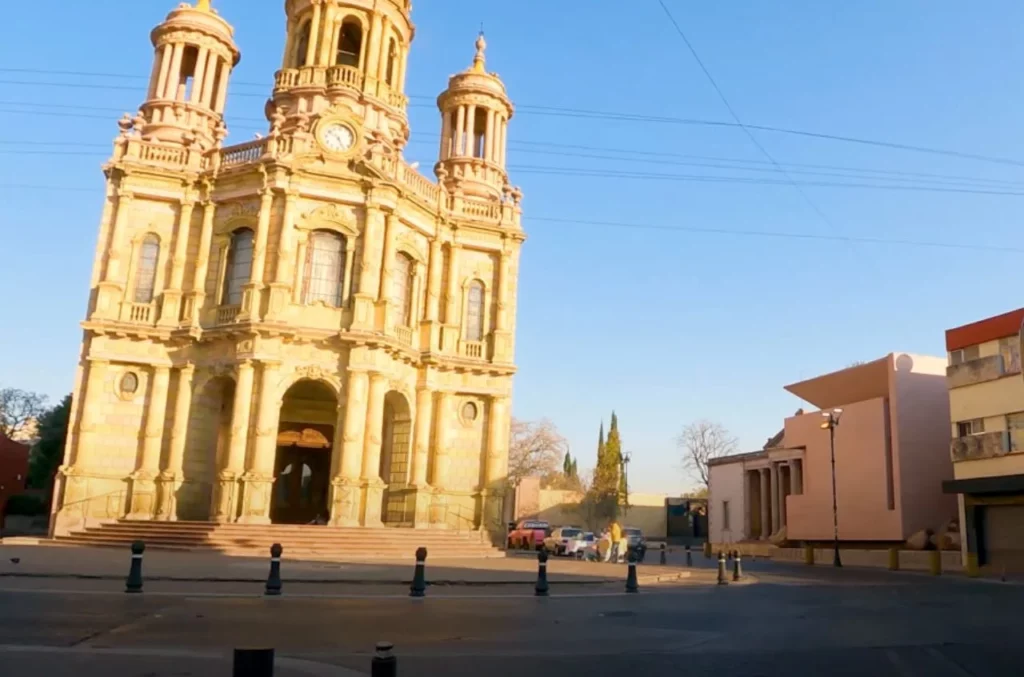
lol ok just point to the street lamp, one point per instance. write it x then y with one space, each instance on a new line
831 423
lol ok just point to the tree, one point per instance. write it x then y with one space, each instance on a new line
567 465
534 449
701 442
19 411
49 450
607 487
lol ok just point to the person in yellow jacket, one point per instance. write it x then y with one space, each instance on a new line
616 534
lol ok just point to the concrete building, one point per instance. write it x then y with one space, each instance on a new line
301 327
891 460
986 406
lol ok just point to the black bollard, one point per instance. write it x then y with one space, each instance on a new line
541 589
664 555
721 569
631 583
384 663
737 567
134 582
253 663
419 579
274 579
689 557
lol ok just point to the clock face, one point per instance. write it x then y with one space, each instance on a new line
337 137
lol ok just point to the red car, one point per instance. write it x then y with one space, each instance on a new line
528 535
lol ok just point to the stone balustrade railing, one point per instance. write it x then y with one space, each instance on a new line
243 153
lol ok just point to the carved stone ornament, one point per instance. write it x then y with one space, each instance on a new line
243 209
332 213
313 372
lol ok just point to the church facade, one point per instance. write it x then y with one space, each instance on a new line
302 328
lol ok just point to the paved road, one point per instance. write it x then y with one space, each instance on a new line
794 621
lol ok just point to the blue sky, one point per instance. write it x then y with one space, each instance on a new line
664 326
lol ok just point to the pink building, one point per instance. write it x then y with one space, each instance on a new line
891 450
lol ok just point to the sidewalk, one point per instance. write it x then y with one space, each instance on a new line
44 561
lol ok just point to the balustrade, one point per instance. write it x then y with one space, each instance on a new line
141 313
404 335
472 349
227 314
243 153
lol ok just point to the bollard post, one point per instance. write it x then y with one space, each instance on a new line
541 587
253 663
419 579
737 567
689 557
809 555
894 559
721 569
707 549
384 663
935 562
273 586
134 582
664 555
631 583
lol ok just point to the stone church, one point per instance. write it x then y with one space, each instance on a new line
301 328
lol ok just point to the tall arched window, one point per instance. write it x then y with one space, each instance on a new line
239 267
350 43
325 268
479 132
389 74
401 292
475 312
302 46
145 273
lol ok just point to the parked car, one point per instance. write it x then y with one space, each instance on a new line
578 546
635 542
561 538
529 535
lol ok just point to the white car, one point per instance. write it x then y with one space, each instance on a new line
577 547
563 540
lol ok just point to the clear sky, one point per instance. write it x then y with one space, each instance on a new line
664 326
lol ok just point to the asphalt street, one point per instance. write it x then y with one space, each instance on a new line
794 620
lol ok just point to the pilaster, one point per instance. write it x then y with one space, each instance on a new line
143 499
226 486
346 493
373 485
167 482
258 480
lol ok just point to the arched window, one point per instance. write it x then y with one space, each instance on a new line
401 292
145 273
325 268
479 132
389 74
475 312
302 46
350 43
239 267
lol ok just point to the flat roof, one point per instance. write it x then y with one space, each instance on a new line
860 382
736 458
982 331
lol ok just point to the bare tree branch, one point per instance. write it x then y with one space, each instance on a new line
536 448
19 411
701 442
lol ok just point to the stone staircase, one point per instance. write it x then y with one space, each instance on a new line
299 542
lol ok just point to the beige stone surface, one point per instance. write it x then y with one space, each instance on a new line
308 279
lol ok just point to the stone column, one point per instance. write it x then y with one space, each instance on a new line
314 35
251 302
114 247
502 348
776 493
258 480
372 49
373 484
387 269
364 315
284 271
198 296
441 432
166 54
174 75
91 408
170 312
199 79
489 136
765 505
206 97
225 495
797 466
345 493
460 132
166 508
143 480
326 35
382 65
452 320
446 136
495 464
222 91
471 130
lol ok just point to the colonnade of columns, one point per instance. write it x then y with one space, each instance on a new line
169 79
771 485
459 134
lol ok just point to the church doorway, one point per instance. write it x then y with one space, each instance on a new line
303 463
397 506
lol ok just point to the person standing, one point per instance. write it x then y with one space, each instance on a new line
616 536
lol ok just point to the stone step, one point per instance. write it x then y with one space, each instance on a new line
312 531
423 538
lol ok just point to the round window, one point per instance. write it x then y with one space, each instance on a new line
469 411
130 383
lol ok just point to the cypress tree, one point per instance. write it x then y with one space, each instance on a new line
567 465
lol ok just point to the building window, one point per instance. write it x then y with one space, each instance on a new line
389 74
475 312
725 516
145 274
401 292
302 47
129 385
350 43
325 268
1015 426
975 426
1009 348
964 355
239 267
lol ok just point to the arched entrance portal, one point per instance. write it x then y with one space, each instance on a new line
303 462
397 506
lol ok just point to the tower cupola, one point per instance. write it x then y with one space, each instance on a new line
475 111
195 53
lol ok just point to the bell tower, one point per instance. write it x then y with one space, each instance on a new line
345 54
475 111
195 53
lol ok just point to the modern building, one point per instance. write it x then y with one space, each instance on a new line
302 327
890 461
986 406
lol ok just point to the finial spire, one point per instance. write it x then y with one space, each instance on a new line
479 60
203 6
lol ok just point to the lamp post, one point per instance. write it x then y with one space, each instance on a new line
831 423
623 465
